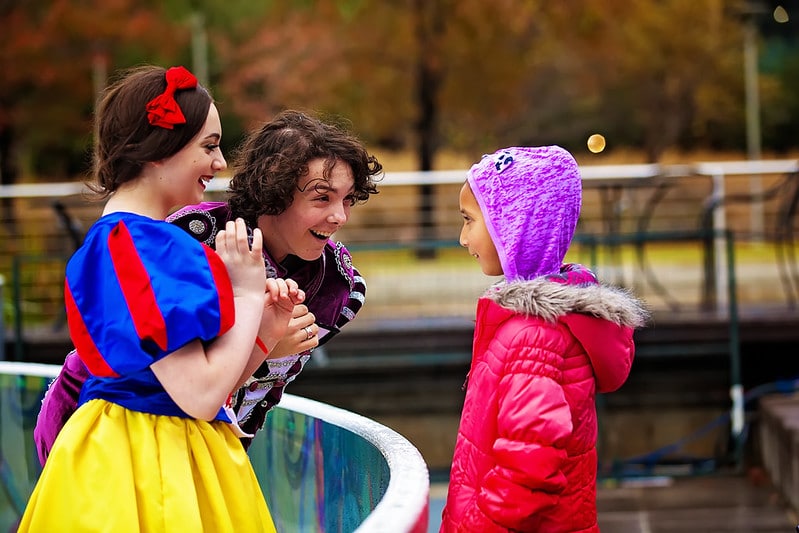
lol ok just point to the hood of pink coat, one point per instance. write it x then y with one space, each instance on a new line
609 346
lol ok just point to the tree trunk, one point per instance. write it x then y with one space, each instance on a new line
8 176
429 23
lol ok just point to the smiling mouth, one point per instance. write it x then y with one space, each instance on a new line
320 235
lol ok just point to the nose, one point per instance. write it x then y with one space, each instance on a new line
339 214
219 163
462 238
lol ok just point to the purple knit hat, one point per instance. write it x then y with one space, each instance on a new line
530 198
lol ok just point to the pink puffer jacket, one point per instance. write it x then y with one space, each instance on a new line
525 457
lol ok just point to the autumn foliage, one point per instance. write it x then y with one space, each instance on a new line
416 75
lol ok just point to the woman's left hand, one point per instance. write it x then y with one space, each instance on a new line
302 334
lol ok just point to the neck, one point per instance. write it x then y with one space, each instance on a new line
132 201
136 197
269 236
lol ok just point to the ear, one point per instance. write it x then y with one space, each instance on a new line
152 168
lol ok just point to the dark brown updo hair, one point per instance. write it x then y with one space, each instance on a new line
125 138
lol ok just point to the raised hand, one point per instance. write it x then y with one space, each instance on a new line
245 266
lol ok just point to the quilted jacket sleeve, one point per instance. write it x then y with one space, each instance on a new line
534 423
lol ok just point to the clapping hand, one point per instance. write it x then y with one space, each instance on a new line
302 334
245 266
282 297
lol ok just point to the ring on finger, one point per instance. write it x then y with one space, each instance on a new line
308 333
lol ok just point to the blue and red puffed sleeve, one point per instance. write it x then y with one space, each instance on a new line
139 289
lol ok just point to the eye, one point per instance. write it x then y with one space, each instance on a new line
349 200
211 147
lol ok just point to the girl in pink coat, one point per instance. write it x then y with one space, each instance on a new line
547 338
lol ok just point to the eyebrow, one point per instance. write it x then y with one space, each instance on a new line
325 185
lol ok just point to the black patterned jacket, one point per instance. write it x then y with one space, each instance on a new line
334 293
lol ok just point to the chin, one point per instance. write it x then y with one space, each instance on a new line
492 272
311 256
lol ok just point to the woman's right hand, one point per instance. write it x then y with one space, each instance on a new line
245 265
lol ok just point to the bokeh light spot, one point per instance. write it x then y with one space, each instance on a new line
596 143
780 14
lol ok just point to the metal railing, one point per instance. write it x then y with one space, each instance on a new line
354 474
2 319
384 234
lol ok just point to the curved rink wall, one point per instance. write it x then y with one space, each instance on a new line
321 468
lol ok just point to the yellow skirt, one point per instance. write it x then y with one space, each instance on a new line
117 470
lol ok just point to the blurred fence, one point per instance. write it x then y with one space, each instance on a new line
404 240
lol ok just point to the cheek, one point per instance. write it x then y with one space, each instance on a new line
494 269
295 216
496 264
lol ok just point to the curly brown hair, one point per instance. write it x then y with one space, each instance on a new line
125 138
271 161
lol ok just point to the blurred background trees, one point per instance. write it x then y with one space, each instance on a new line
410 75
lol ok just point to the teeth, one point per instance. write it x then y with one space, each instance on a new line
321 234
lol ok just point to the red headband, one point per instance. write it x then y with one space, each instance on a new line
163 110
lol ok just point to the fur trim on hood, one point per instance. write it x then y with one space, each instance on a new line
550 300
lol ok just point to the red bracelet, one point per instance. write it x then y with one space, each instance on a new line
261 345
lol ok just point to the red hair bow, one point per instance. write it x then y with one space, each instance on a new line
163 110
